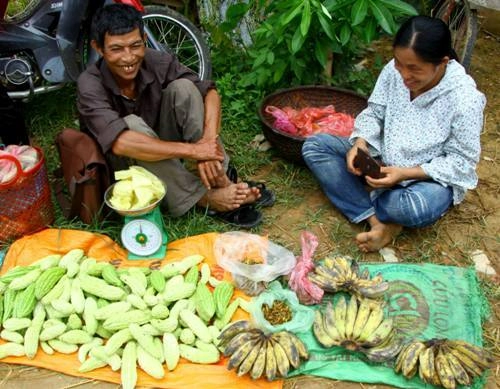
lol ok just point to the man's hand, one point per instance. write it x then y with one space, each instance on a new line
207 150
211 173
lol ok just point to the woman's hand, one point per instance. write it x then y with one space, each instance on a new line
394 175
351 154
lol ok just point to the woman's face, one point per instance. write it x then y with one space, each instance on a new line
418 76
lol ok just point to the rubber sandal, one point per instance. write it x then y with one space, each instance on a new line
245 216
267 197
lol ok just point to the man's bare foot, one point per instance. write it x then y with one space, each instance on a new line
379 236
229 197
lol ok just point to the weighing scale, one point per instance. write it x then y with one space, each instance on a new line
144 236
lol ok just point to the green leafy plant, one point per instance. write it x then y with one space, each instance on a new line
296 39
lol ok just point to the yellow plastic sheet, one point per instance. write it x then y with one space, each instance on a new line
187 375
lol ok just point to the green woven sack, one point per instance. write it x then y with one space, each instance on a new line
427 301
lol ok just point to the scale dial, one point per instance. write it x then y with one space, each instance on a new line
141 237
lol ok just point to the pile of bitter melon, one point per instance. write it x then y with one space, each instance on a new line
125 318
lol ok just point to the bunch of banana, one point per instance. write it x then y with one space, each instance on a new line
253 352
443 362
357 327
342 274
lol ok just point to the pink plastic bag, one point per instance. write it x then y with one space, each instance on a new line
307 292
282 121
311 120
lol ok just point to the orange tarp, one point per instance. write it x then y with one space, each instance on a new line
187 375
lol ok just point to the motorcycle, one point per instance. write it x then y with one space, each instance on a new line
48 44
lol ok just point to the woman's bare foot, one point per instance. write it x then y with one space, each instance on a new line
229 197
379 236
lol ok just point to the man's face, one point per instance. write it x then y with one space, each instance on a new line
123 55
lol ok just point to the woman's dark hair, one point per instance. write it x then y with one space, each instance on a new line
115 19
428 37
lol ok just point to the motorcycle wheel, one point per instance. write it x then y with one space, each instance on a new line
180 37
462 21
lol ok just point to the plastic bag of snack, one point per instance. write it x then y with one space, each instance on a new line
252 259
278 309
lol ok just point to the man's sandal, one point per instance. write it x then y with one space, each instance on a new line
267 197
245 216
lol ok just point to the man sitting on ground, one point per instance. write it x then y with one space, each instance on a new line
146 108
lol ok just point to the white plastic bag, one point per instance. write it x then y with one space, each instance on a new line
252 257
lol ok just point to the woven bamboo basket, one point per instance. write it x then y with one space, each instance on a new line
289 146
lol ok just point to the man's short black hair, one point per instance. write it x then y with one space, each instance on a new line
115 19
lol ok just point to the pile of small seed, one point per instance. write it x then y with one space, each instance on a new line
278 313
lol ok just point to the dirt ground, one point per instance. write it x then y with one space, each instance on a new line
475 224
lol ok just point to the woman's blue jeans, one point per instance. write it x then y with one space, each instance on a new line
419 204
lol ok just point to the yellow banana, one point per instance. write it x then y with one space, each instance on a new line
467 363
361 318
479 355
329 323
260 362
386 351
398 364
340 313
241 353
444 371
426 365
351 313
270 361
301 347
249 360
282 362
291 351
320 333
325 283
381 333
457 369
411 358
232 330
374 319
239 339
